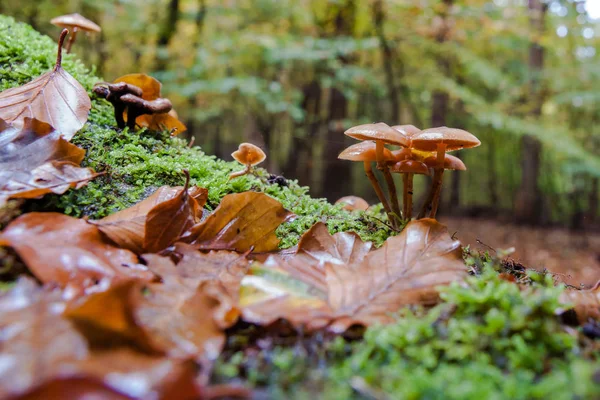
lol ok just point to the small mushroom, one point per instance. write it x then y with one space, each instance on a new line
408 167
382 134
367 153
353 203
137 106
248 155
75 22
113 93
440 140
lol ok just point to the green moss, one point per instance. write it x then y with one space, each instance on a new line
488 340
137 163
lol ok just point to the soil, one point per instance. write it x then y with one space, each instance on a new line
573 256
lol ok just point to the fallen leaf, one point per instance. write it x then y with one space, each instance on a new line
128 228
586 303
55 98
36 160
65 250
243 221
368 290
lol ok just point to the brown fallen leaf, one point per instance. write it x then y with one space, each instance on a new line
586 303
154 223
55 98
36 160
151 89
369 290
65 250
243 221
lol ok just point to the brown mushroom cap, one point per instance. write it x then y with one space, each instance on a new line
75 21
454 139
379 131
407 130
249 154
411 167
157 106
364 151
450 162
352 203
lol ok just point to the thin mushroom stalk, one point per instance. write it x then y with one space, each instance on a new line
377 188
437 179
71 40
394 215
408 194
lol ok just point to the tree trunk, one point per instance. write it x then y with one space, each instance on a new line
388 61
528 202
166 33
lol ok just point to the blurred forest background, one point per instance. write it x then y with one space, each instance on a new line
292 75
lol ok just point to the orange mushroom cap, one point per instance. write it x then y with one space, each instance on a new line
379 132
407 130
75 21
352 203
364 151
454 139
411 167
450 162
249 154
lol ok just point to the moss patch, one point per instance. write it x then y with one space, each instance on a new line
137 163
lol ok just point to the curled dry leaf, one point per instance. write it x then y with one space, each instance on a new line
151 88
65 250
55 98
367 290
154 223
36 160
243 221
586 303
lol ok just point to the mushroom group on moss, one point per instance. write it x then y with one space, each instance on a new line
421 151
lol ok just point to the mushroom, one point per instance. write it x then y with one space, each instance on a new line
450 163
352 203
249 155
74 22
137 106
408 167
440 140
113 93
367 153
382 133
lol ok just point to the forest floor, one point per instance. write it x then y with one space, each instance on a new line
574 256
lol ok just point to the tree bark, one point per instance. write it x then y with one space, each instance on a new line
167 31
528 204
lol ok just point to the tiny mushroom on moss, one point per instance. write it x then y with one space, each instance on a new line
137 106
440 140
75 22
248 155
382 134
367 153
353 203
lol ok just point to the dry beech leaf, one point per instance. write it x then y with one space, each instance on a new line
185 313
55 98
127 228
65 250
243 221
405 270
36 160
150 86
49 358
586 303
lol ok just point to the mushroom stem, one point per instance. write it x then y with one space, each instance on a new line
379 147
392 190
243 172
377 188
405 196
408 187
437 179
71 40
61 40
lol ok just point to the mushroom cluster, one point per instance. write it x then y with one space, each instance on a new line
126 97
421 152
